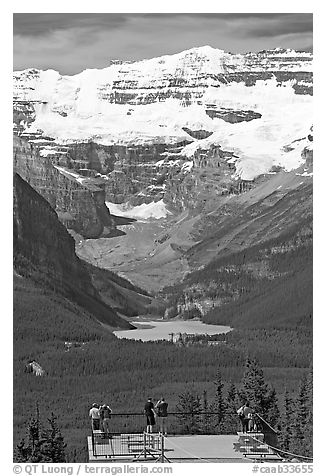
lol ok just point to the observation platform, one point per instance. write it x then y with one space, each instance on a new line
127 444
176 449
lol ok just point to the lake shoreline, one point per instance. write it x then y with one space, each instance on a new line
155 330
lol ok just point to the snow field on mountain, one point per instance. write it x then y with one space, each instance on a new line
259 144
77 108
145 211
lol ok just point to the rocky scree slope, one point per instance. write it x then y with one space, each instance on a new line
246 221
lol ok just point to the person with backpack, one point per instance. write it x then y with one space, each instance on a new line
245 414
105 415
162 412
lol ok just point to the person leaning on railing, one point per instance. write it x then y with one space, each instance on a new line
150 415
162 413
105 415
246 417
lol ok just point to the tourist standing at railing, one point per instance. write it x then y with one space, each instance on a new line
105 415
162 413
256 426
94 415
150 415
251 422
245 415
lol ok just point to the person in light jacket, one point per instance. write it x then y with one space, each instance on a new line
245 414
94 415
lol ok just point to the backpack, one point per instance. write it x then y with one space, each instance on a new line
106 412
161 409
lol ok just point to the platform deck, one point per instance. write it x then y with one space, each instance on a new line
192 448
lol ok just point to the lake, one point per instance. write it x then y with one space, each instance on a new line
158 330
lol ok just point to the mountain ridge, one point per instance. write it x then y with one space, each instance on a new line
151 130
44 252
152 101
205 50
223 142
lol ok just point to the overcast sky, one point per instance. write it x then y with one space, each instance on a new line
72 42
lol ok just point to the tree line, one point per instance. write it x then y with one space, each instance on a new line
198 414
292 420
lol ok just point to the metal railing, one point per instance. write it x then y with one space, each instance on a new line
253 444
176 423
127 435
128 445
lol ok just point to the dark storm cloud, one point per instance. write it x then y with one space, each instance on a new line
282 25
71 42
216 16
35 24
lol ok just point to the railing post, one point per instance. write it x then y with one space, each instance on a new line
93 443
162 447
145 444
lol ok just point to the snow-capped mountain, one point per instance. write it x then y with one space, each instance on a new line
145 131
254 104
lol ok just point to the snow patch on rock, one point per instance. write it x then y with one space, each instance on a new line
145 211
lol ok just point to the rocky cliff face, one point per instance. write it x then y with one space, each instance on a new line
212 175
45 252
80 206
170 127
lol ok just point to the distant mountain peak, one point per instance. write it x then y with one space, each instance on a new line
154 100
205 49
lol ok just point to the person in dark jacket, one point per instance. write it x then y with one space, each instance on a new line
150 415
162 413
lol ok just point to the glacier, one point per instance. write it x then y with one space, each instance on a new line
151 101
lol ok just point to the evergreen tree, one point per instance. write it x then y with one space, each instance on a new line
43 445
273 410
30 451
218 406
232 394
287 422
189 406
301 442
54 446
206 417
231 421
254 390
309 421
